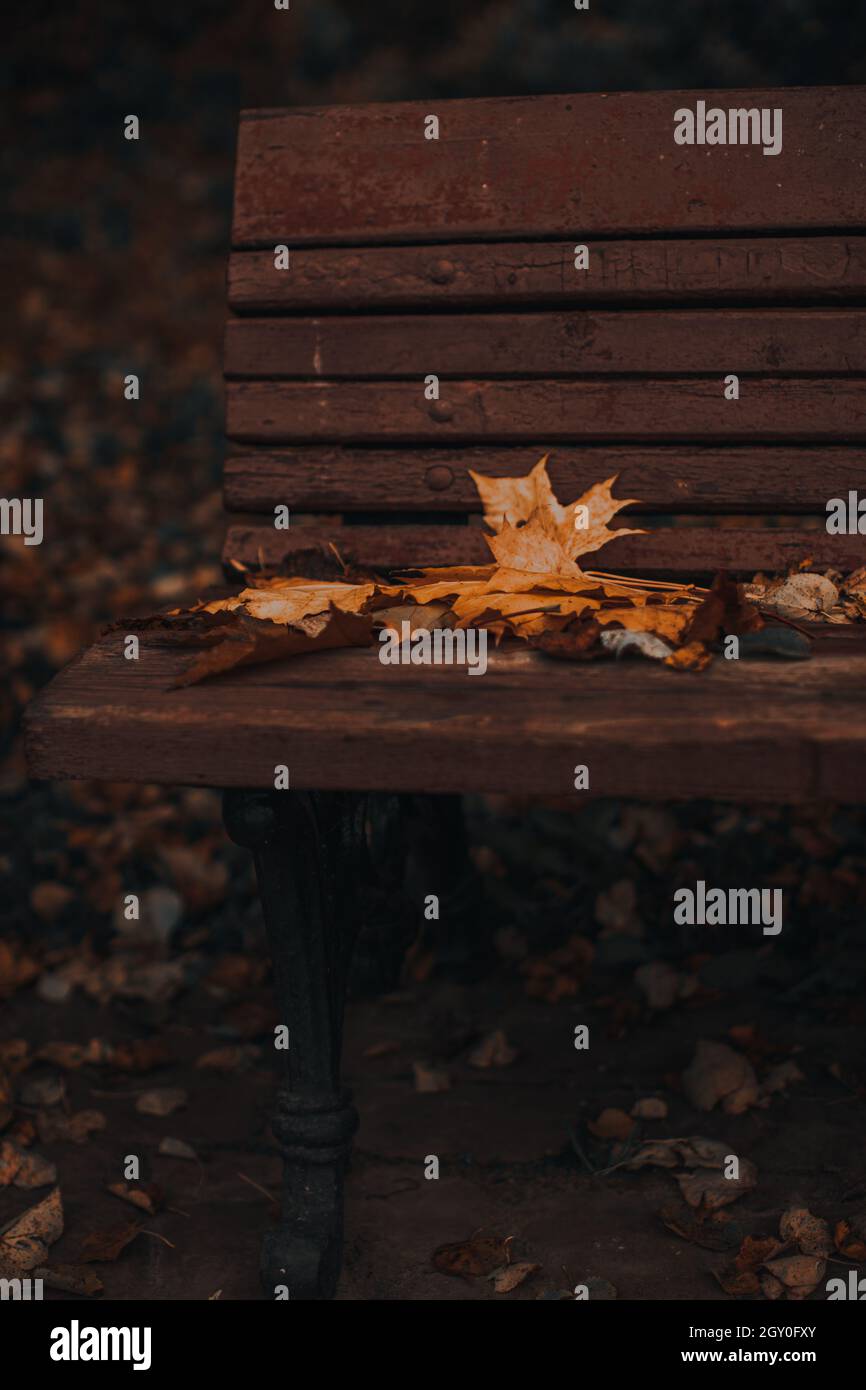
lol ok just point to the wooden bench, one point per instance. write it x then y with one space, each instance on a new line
456 257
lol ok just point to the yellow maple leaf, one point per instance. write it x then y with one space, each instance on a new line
535 533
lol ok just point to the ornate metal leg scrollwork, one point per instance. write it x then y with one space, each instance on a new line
312 864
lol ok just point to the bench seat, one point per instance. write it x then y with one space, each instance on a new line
757 729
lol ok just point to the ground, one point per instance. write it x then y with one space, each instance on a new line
556 919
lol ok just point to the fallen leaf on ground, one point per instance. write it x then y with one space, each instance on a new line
70 1056
703 1229
161 1101
771 1287
104 1246
508 1277
743 1278
146 1196
237 1058
658 1153
559 974
49 899
25 1240
616 910
660 984
756 1250
800 1274
473 1258
780 1077
650 1108
493 1050
70 1279
611 1124
176 1148
43 1090
145 1054
710 1191
430 1079
24 1169
75 1129
718 1073
811 1233
17 968
849 1242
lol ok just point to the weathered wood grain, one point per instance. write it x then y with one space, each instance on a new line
682 550
544 412
524 167
782 478
504 275
776 341
741 730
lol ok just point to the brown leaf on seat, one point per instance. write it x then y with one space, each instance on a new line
577 641
723 611
252 641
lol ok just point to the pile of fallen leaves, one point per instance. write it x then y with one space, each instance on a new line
534 590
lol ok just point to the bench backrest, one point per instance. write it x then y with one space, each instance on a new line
458 258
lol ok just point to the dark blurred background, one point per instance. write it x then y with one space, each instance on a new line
113 259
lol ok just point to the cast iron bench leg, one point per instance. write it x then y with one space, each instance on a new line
312 865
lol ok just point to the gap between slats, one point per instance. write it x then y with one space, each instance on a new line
679 551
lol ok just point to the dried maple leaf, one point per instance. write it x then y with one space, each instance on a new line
535 532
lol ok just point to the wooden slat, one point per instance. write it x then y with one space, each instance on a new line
674 478
523 167
777 341
686 550
507 274
741 730
543 412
